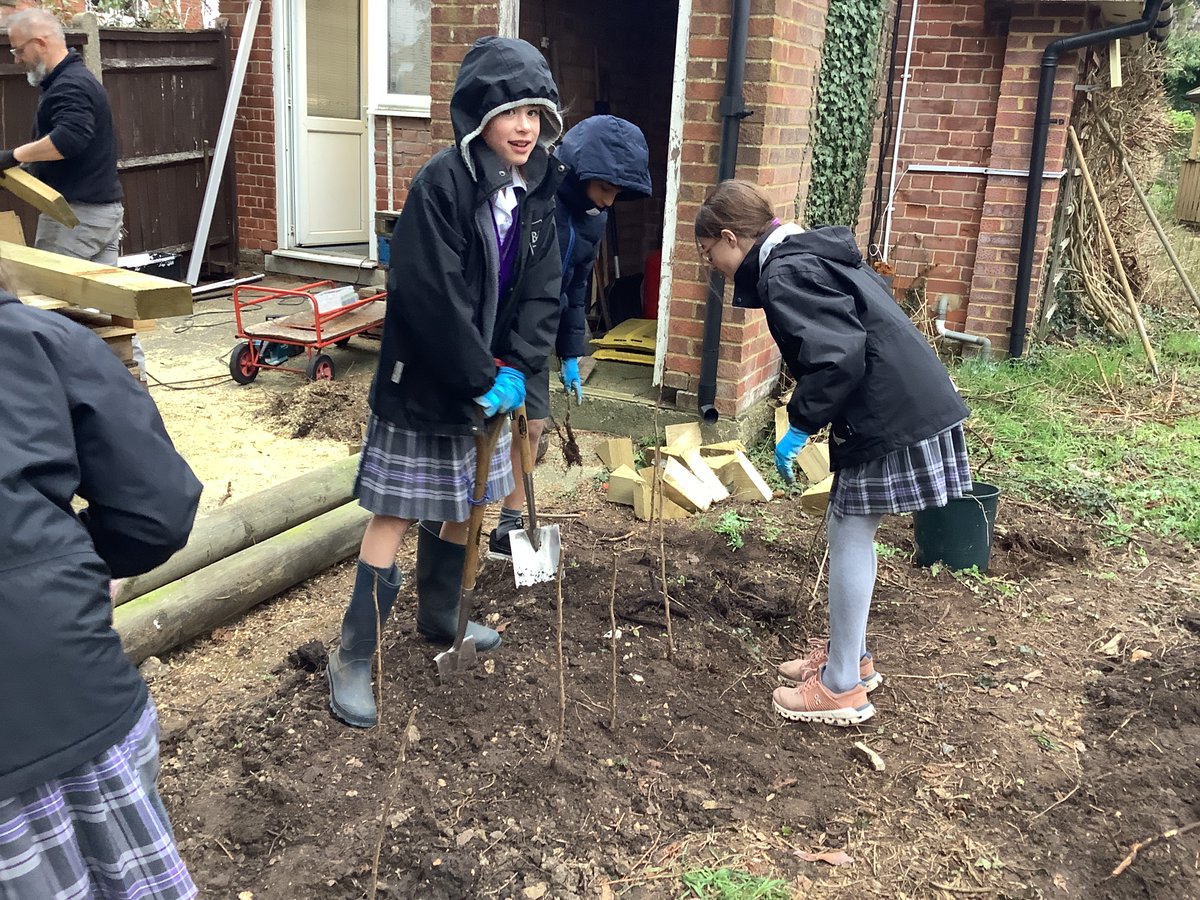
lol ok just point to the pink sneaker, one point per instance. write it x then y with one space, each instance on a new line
798 671
813 702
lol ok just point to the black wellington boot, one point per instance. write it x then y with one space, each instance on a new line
349 669
439 587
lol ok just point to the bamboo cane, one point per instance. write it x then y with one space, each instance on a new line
1112 249
1150 214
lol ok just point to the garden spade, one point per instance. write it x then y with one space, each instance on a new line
461 655
535 550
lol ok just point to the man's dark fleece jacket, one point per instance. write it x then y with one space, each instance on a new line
73 110
74 423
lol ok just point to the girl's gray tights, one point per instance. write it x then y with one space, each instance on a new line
852 567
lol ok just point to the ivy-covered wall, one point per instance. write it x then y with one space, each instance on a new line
847 101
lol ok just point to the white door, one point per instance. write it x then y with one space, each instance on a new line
331 175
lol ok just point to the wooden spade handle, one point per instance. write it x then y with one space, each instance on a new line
485 446
521 435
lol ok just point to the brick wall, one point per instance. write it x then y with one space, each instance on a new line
254 133
949 116
782 60
971 101
994 274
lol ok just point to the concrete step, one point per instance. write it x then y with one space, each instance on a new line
317 267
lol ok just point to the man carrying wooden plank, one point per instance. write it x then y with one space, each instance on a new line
80 814
74 149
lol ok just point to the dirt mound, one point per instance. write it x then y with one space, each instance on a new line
329 410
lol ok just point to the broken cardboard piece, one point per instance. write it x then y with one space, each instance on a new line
743 480
816 499
701 469
616 452
814 461
623 484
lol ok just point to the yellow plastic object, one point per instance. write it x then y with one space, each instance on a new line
642 359
638 335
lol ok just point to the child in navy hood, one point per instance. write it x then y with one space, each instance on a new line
862 368
472 311
607 160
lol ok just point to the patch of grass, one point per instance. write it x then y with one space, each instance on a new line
1055 427
887 551
732 526
732 884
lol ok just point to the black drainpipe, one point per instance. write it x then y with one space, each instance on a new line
733 110
1037 155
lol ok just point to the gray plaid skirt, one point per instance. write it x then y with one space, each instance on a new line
99 830
415 475
928 473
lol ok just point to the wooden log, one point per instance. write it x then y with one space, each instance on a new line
197 603
120 292
814 461
684 488
684 436
249 521
39 195
650 503
816 499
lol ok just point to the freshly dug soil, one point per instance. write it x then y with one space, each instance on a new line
1024 753
330 410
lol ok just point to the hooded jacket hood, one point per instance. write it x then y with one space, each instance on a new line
499 74
609 149
834 243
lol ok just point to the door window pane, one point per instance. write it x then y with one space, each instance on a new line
334 64
408 47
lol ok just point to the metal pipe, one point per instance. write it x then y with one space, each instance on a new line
733 110
904 79
201 291
1037 156
976 340
224 137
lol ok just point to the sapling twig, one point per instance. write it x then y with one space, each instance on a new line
562 678
388 799
612 634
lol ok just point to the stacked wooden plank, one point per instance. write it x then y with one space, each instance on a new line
114 303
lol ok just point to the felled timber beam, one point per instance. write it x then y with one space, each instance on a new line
198 603
119 292
249 521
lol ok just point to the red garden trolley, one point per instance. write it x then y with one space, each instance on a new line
273 343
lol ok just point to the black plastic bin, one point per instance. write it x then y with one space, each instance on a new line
959 534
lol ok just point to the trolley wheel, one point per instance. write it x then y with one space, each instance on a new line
343 343
242 367
320 368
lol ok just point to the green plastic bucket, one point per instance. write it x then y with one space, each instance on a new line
959 534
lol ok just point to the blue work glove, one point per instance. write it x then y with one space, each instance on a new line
506 394
787 450
570 377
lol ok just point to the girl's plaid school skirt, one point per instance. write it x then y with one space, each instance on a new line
99 830
929 473
416 475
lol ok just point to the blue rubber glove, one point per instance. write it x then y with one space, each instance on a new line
570 378
787 450
506 394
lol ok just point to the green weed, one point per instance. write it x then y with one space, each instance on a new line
732 526
732 884
887 551
1053 427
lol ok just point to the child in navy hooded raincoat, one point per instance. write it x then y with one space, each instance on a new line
607 160
472 311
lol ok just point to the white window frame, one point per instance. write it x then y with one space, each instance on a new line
380 101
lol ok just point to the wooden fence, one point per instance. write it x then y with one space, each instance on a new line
167 90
